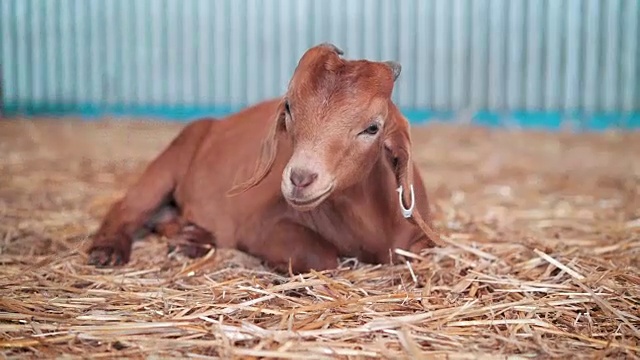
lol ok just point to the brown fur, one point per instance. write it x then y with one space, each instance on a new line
229 183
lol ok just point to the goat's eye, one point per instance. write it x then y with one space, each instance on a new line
371 129
286 107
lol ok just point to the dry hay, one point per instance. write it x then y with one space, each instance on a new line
543 262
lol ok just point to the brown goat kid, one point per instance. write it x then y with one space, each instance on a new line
333 177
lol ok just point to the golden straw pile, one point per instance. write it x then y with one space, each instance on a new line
543 262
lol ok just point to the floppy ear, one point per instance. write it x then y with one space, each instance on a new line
268 151
397 144
397 140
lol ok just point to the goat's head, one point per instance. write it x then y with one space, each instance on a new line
339 116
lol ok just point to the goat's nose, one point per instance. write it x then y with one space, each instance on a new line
302 177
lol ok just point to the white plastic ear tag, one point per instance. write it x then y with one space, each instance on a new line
407 212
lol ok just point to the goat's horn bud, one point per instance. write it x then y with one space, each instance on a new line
332 47
396 68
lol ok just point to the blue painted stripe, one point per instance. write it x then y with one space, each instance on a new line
524 119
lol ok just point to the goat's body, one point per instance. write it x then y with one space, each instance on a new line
201 164
230 144
297 181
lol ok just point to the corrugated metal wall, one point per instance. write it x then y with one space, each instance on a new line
495 55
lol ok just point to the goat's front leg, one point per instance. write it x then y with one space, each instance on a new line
112 242
291 243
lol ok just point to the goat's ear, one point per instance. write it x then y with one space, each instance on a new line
397 143
397 140
268 151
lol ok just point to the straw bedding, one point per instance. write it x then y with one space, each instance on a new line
543 262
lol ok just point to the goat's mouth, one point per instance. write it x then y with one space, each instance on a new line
309 203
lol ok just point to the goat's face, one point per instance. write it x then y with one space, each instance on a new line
335 112
339 117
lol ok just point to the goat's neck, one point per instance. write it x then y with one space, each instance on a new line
377 189
359 219
374 195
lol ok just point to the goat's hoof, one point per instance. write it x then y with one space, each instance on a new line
192 241
191 251
106 256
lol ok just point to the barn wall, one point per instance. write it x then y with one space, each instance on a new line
534 62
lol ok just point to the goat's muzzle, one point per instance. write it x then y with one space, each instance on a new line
302 178
304 189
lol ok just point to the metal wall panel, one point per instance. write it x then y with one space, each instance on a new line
497 55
